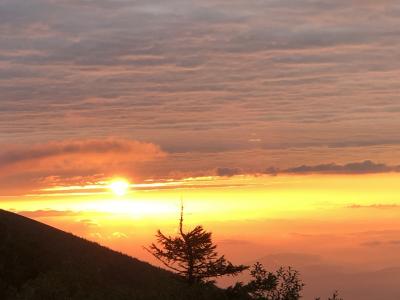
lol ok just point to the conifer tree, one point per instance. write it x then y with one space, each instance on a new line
192 255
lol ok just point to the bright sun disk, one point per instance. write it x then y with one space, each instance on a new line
119 187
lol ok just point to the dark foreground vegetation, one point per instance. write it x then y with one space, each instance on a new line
40 262
192 255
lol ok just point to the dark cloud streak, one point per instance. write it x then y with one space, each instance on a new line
365 167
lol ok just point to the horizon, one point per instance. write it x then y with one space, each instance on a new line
277 123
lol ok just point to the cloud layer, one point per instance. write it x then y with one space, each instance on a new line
201 77
72 162
236 84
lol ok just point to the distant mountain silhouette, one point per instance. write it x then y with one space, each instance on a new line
40 262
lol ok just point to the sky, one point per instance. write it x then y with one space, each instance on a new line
275 117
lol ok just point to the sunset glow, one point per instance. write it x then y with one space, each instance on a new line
275 123
333 216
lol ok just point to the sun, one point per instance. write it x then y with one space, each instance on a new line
119 187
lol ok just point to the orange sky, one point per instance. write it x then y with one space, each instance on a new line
346 222
276 121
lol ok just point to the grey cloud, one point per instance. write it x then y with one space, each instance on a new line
365 167
228 172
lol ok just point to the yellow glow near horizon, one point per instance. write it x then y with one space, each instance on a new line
226 199
119 187
333 217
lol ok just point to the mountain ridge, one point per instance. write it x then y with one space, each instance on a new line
38 261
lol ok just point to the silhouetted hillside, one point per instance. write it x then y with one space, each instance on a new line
40 262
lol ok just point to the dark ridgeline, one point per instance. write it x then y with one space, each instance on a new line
40 262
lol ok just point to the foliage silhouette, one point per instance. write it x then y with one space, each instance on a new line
335 296
192 255
284 284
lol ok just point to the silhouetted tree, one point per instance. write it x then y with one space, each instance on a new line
284 284
263 282
192 255
335 296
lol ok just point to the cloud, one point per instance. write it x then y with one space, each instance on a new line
376 243
92 150
71 153
228 172
48 213
374 206
235 242
88 223
73 162
371 243
119 235
365 167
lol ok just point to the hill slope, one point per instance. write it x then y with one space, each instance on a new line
40 262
